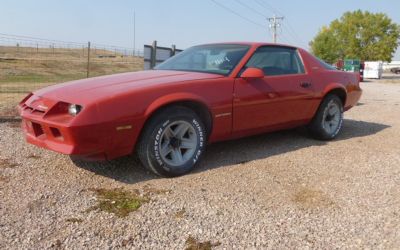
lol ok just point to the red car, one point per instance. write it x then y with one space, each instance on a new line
205 94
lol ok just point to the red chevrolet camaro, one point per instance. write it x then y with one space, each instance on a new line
205 94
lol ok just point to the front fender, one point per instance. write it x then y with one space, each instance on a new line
173 98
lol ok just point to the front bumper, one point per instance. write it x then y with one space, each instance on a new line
56 137
58 133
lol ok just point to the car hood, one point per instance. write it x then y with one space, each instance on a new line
92 89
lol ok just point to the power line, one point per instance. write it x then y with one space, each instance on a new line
237 14
269 7
293 39
250 8
285 39
292 30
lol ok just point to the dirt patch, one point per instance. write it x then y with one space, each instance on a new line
3 179
148 190
57 245
7 163
14 124
194 244
34 156
9 102
9 112
74 220
311 198
180 214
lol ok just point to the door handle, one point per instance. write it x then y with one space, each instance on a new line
305 84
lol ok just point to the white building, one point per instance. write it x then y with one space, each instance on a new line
393 64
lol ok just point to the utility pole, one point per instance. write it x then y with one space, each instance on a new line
134 32
274 24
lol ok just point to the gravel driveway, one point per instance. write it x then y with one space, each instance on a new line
271 191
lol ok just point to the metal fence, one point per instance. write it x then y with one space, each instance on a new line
154 55
28 63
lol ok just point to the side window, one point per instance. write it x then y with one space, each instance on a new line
276 61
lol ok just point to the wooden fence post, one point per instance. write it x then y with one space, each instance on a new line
88 61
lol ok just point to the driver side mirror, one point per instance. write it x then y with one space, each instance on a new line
253 73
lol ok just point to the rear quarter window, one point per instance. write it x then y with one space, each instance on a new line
325 65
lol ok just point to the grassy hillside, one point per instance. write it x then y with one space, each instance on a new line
26 69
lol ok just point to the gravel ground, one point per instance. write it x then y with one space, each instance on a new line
280 190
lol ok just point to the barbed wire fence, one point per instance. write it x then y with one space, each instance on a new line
29 63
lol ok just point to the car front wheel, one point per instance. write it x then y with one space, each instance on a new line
328 120
172 142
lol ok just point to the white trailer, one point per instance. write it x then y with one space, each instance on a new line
373 70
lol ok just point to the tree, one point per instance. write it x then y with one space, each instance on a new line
358 35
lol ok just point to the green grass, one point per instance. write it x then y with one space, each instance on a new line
122 202
118 201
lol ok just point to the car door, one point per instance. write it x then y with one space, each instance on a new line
281 97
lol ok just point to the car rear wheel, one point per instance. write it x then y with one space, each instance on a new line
328 120
172 142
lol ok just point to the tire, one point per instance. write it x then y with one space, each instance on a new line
172 142
328 120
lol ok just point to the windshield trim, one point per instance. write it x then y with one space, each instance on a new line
195 71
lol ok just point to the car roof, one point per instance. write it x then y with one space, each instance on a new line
257 44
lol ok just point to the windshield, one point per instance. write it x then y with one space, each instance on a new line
216 58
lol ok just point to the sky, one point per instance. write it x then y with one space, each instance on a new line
181 22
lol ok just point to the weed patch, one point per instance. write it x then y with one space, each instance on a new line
122 202
6 163
118 201
194 244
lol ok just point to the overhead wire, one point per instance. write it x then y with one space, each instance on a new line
237 14
251 8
